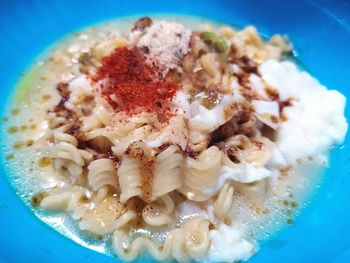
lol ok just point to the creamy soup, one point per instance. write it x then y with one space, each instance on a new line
173 138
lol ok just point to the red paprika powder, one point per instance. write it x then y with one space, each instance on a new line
128 83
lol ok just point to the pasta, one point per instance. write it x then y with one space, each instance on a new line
67 154
256 151
210 65
130 181
201 174
65 200
170 141
102 173
167 172
255 191
189 241
156 214
100 117
224 201
106 217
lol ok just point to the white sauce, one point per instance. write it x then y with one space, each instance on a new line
246 173
181 104
315 121
228 245
265 110
208 120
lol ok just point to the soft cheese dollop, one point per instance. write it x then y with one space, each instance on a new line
246 173
167 43
208 120
316 119
228 245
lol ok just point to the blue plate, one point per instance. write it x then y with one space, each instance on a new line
320 32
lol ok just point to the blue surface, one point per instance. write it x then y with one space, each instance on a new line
320 31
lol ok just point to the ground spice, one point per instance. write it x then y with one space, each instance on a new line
128 83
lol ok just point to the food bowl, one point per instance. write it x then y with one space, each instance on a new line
320 33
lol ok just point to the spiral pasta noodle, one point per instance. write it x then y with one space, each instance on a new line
256 151
159 213
224 201
67 154
65 200
130 181
107 216
167 171
102 173
210 65
201 174
255 191
182 244
81 95
101 116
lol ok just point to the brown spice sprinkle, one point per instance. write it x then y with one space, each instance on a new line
245 89
285 171
211 226
23 128
272 93
63 90
29 143
293 204
15 111
233 53
283 117
227 221
33 126
45 161
274 118
46 97
258 145
9 157
213 96
75 131
36 199
12 129
147 179
261 210
284 104
108 155
191 153
84 199
17 145
142 24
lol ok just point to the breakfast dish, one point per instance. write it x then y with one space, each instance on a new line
184 141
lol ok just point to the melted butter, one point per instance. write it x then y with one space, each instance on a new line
28 82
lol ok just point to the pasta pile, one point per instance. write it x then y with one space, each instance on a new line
125 171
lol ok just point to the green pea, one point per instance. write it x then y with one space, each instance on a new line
218 42
207 36
220 45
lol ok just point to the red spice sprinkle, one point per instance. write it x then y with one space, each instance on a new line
128 83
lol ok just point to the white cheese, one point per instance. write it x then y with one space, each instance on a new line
265 110
245 173
167 43
315 121
228 245
208 120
